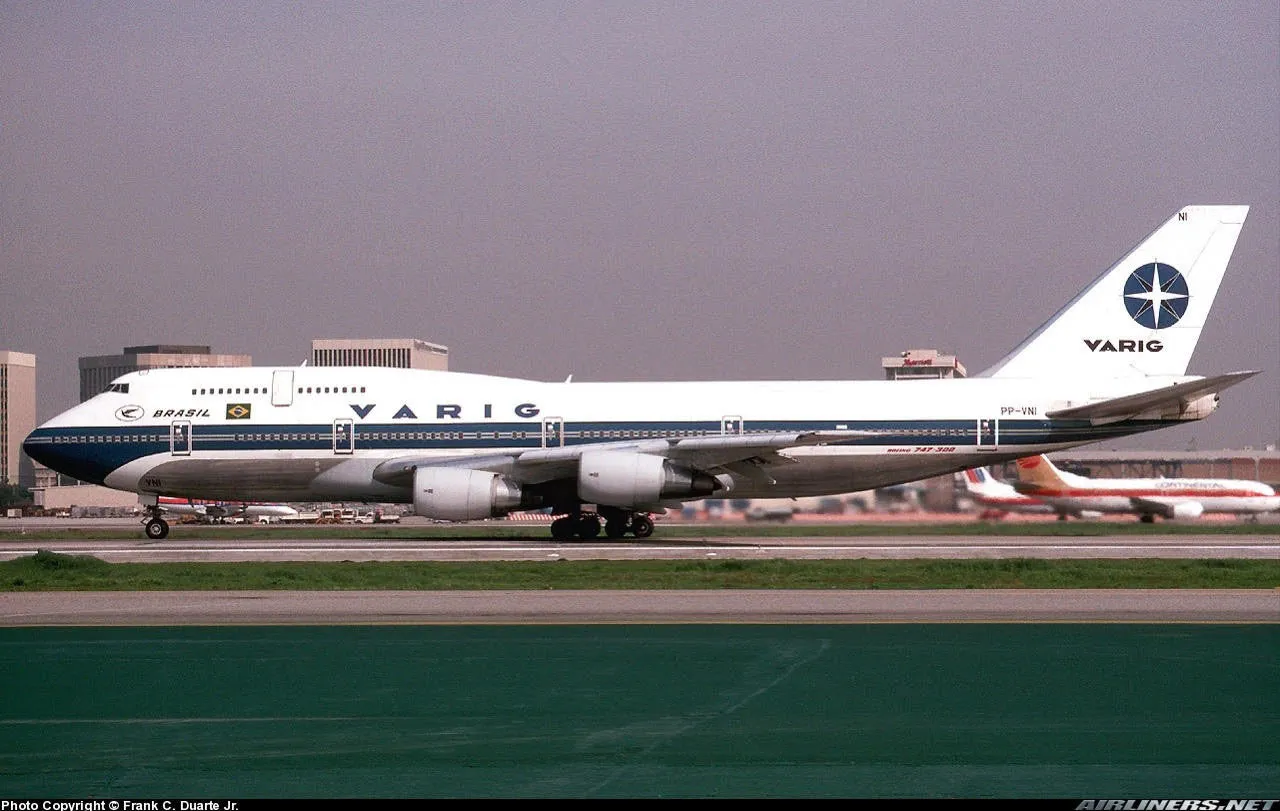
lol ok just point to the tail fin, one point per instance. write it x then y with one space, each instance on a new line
1143 316
1036 474
974 479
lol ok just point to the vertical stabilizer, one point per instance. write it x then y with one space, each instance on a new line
1143 316
1038 475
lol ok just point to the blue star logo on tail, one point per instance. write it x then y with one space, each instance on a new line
1156 295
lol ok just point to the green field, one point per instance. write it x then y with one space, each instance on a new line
49 571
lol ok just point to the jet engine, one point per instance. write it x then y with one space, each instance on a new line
1188 509
460 494
633 480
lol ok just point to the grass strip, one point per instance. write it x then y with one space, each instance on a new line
51 571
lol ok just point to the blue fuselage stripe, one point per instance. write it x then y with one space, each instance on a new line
92 452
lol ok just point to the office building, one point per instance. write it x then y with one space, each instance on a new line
96 373
17 416
400 353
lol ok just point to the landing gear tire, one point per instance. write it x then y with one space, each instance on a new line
642 526
157 529
562 529
588 527
1148 519
615 529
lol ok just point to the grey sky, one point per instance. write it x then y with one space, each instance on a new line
626 190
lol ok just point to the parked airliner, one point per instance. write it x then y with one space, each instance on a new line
1000 498
459 447
1146 498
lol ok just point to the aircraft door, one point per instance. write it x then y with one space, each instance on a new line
988 434
282 387
180 438
552 432
344 436
731 425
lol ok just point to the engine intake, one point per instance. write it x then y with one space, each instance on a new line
461 494
632 480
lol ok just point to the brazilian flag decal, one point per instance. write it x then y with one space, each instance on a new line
238 411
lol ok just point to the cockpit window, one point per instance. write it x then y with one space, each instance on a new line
121 388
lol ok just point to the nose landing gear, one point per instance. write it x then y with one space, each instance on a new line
157 528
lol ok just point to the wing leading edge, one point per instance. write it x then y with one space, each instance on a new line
728 451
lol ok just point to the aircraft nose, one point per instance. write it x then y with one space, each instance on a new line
33 447
69 457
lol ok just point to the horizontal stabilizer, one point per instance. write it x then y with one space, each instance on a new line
1179 394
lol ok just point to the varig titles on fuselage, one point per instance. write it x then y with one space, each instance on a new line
445 411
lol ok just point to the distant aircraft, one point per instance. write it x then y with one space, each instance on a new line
1147 498
998 498
217 512
770 510
460 447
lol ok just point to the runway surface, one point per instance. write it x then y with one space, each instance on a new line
639 607
232 549
629 711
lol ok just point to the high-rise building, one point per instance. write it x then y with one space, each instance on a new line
17 416
401 353
97 372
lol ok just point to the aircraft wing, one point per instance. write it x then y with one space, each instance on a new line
1167 507
1179 394
740 453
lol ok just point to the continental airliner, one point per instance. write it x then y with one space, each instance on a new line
604 456
1146 498
1000 498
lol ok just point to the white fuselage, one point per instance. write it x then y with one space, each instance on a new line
1195 496
317 433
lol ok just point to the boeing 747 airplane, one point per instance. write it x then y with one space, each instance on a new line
460 447
1146 498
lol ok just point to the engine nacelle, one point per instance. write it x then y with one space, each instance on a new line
460 494
1199 408
1188 509
632 480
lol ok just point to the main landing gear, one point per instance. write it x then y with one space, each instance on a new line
156 527
616 524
